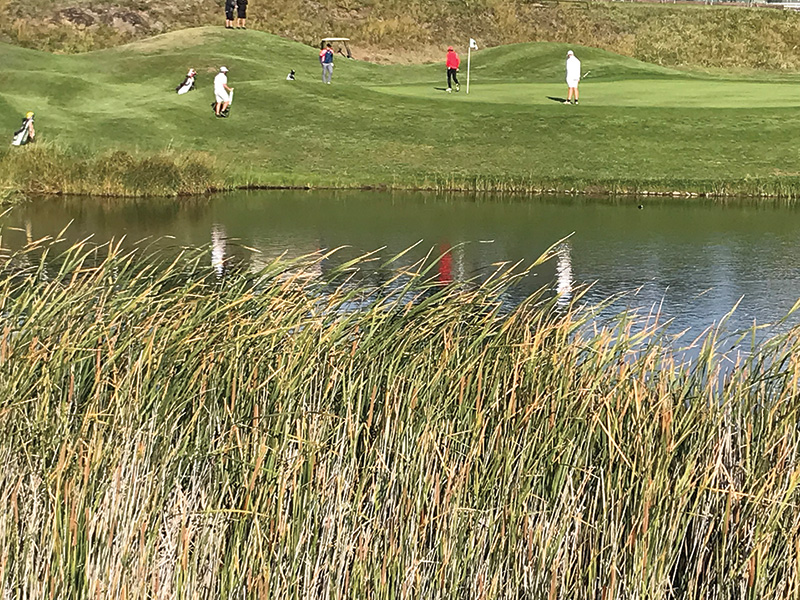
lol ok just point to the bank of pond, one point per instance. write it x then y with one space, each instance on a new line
50 170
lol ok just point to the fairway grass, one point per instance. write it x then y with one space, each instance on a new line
106 118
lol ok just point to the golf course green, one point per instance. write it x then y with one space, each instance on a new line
109 122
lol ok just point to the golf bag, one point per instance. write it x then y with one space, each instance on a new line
188 83
22 135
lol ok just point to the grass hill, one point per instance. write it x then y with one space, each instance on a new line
110 122
417 30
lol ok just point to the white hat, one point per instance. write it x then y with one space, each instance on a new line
569 53
223 69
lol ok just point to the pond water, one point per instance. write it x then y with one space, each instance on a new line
693 260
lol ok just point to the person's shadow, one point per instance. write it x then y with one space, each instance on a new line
440 89
557 99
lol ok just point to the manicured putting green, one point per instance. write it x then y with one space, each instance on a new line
691 93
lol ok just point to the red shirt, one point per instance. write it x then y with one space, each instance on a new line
452 60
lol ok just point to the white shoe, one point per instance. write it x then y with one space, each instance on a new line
567 102
449 90
328 82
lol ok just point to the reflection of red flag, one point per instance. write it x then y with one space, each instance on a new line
445 264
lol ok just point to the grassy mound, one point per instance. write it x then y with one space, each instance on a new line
640 127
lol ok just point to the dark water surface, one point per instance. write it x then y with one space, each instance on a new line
693 259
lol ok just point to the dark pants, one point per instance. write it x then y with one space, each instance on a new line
229 8
241 9
451 73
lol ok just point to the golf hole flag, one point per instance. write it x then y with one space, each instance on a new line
473 45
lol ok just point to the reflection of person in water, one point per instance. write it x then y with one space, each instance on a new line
564 279
445 263
218 237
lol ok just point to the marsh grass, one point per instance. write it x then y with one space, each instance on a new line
787 188
168 434
47 168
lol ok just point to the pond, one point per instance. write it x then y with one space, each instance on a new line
692 260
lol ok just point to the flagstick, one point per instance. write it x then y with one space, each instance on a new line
469 60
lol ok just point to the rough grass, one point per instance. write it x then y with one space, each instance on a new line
414 30
167 434
640 127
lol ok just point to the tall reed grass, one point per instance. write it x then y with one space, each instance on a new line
50 169
168 434
785 188
47 168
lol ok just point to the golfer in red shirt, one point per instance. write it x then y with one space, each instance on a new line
452 68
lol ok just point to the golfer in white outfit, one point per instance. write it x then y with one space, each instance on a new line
573 77
221 91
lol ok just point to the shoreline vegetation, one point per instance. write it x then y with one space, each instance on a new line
47 171
292 432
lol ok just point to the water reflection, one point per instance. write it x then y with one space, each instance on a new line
218 238
693 258
445 263
564 279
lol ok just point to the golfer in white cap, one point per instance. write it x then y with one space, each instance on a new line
573 77
221 91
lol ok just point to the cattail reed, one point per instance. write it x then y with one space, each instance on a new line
167 434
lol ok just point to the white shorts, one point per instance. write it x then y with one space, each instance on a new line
573 82
222 97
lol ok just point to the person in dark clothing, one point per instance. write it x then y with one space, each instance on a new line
230 6
326 60
241 9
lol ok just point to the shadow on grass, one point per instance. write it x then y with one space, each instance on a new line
223 114
557 99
